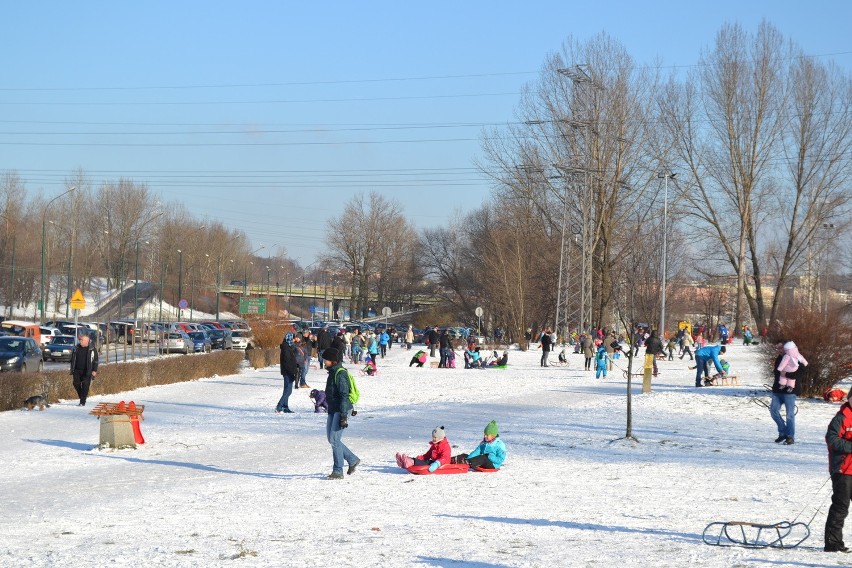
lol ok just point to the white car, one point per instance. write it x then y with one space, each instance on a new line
48 333
242 339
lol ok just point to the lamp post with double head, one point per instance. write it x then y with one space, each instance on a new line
43 268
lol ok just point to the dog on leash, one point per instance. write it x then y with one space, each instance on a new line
320 404
37 400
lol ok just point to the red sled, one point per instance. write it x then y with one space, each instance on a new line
486 469
444 469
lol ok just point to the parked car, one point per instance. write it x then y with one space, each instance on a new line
201 342
221 339
212 325
59 348
242 339
176 341
48 333
20 354
123 331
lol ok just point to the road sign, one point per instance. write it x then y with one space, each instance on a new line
478 311
252 305
183 304
78 302
386 311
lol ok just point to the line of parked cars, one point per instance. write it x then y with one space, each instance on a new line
24 346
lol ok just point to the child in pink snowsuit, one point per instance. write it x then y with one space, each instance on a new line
790 364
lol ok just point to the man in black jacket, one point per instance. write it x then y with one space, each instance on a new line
290 372
84 367
323 343
545 341
432 337
339 409
654 346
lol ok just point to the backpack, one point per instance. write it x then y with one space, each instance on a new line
354 395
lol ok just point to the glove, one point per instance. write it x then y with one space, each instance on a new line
343 422
434 465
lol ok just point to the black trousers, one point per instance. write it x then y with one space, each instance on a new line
481 460
81 385
842 492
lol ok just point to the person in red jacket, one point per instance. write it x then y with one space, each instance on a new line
437 455
839 441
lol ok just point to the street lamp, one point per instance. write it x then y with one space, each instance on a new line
219 272
245 270
43 223
68 276
665 177
180 282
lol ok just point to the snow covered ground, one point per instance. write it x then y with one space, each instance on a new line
223 480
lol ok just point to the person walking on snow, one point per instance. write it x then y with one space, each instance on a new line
339 409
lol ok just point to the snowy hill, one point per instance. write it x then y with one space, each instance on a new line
223 477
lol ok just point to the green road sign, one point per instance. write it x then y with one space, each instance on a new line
252 305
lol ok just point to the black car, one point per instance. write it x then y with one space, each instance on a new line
20 354
59 348
221 338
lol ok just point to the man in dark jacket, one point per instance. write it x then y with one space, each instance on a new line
654 346
432 337
323 343
445 345
839 441
290 372
84 367
339 408
546 340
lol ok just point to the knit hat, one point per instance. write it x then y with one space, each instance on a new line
331 354
491 429
438 433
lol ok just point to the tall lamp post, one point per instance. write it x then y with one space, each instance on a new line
43 223
245 271
665 177
180 282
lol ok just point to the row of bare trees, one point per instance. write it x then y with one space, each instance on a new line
116 231
760 136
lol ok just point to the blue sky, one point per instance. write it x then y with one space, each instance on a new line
271 115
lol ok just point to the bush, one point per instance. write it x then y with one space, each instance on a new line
268 335
823 339
118 377
262 358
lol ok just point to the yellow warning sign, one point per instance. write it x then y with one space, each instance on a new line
78 302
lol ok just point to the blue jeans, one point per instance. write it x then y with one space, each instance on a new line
303 376
288 390
787 428
339 451
445 354
700 369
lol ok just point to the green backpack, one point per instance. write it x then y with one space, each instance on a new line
354 395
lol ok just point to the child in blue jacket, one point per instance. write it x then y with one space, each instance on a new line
489 454
601 362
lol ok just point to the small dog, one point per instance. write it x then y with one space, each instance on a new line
37 400
320 404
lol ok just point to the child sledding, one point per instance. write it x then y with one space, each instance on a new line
488 456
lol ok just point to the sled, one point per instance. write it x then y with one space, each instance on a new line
486 469
444 469
755 535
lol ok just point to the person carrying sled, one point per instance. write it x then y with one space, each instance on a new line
489 454
437 455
